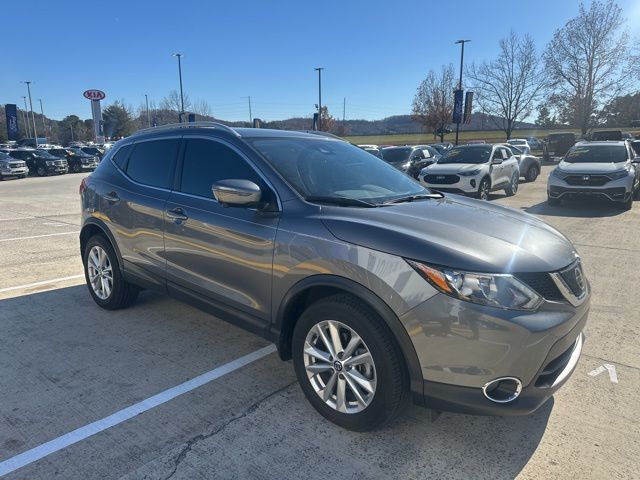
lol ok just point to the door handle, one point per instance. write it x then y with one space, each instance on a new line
111 197
177 214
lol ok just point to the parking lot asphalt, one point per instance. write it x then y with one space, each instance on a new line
65 364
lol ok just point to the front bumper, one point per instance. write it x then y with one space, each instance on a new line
89 166
14 172
463 185
56 169
463 346
615 190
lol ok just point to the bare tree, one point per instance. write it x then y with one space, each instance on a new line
433 102
586 61
202 108
173 102
328 122
508 86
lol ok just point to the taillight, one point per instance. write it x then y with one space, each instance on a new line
83 186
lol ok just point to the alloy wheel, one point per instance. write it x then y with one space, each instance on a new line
514 183
339 366
484 190
100 272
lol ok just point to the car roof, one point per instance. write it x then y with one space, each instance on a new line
602 143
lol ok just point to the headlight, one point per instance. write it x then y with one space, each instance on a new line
405 166
470 173
491 289
556 172
50 163
619 174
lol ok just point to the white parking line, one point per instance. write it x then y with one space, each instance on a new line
75 436
38 236
43 282
15 218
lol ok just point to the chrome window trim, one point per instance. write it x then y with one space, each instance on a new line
565 289
242 155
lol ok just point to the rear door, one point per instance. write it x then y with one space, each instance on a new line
134 204
497 176
221 255
510 165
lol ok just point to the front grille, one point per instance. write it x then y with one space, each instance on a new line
16 164
60 163
542 283
441 179
587 180
554 368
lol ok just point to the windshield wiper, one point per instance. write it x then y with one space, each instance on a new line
411 198
342 201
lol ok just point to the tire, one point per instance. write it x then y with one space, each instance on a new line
386 374
121 294
532 174
554 202
41 171
483 189
76 168
512 189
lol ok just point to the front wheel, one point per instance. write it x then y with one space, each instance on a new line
348 364
41 171
512 188
483 189
531 174
76 168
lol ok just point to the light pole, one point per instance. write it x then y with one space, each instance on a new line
461 42
319 70
71 127
179 55
146 99
44 126
33 118
250 116
25 116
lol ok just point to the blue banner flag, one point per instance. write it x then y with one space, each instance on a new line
457 106
11 112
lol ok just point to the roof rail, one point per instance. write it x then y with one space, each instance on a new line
173 126
326 134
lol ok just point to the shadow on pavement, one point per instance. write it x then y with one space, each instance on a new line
586 208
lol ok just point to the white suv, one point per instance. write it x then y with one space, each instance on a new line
474 169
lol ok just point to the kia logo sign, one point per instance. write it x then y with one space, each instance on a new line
94 95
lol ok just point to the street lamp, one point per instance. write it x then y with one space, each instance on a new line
146 99
461 42
44 126
179 55
250 116
33 118
25 116
319 70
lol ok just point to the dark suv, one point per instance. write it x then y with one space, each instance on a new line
377 287
40 161
557 144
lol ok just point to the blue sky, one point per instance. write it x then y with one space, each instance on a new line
375 53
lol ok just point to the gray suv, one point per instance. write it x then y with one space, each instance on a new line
379 289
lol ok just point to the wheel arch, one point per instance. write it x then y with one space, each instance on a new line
94 226
314 288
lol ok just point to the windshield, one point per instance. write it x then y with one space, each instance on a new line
4 156
636 147
517 142
43 154
475 154
396 155
514 150
597 154
335 169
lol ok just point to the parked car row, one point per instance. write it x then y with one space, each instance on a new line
52 160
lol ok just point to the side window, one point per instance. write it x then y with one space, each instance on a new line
505 153
121 156
208 161
151 163
497 153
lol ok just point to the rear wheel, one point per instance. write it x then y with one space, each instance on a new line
104 278
348 364
532 174
512 188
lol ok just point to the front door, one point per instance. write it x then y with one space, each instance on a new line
221 254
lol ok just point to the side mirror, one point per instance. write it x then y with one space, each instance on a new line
416 157
237 193
496 161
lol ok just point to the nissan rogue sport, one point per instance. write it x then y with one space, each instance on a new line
379 289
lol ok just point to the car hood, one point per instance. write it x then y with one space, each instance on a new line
456 232
588 167
448 168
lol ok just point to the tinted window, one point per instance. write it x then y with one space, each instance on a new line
151 163
120 157
467 154
396 155
206 162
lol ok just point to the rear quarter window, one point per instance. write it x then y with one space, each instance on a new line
152 162
121 156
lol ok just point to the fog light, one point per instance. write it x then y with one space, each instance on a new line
473 183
